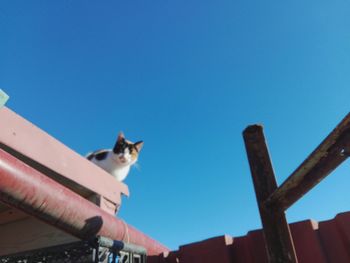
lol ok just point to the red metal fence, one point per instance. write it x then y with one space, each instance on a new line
323 242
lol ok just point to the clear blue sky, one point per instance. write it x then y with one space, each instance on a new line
186 77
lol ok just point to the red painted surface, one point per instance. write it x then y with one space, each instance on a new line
307 243
34 193
256 246
333 242
211 250
240 250
324 242
34 143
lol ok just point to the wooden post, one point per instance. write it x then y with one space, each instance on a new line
277 235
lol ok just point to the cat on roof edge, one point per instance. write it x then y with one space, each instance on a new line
117 161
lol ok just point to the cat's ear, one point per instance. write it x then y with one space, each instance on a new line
138 145
121 136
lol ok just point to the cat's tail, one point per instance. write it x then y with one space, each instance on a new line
91 155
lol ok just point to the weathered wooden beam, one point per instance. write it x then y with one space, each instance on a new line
277 235
321 162
41 151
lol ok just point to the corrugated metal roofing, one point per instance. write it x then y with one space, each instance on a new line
324 242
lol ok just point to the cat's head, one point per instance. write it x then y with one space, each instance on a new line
126 152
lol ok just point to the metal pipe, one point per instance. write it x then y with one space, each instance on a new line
26 189
116 246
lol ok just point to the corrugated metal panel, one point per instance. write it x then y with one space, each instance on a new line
332 242
324 242
213 248
307 243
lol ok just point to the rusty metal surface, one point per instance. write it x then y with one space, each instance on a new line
28 190
278 238
321 162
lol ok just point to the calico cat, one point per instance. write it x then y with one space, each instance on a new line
118 160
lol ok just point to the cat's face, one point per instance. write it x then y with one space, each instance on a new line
126 152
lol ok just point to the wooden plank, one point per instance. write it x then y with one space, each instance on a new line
104 204
321 162
46 154
10 215
28 234
277 235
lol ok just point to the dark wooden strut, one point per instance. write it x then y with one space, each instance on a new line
273 201
321 162
277 235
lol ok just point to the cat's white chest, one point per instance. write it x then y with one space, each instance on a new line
110 165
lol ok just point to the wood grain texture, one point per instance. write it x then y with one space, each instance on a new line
334 150
277 235
28 234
